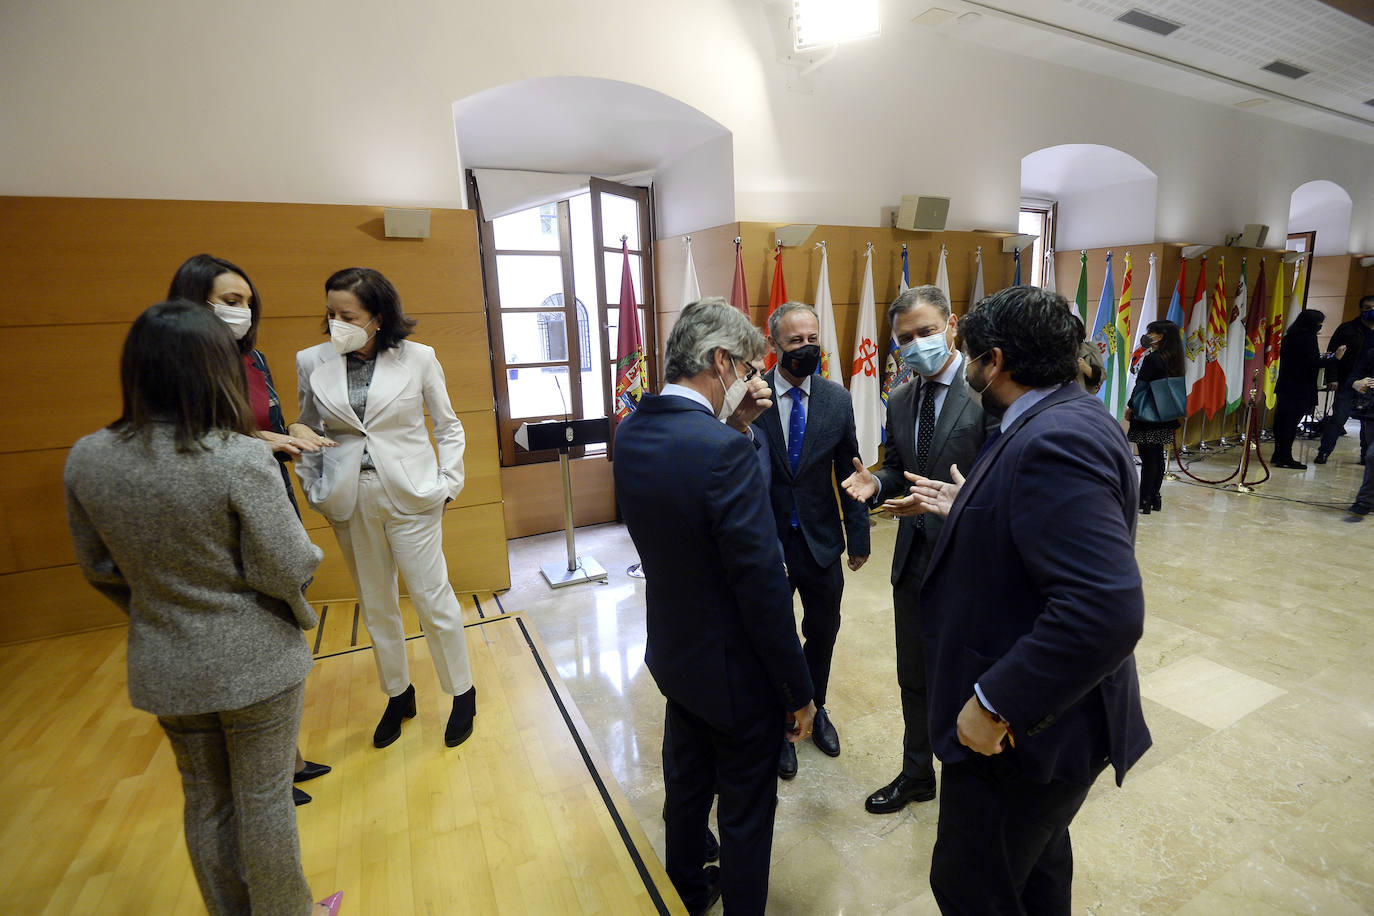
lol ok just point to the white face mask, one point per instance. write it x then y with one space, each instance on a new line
238 317
348 337
926 355
734 394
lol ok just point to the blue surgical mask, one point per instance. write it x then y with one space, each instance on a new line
925 355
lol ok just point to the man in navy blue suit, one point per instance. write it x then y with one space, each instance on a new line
811 438
1032 607
722 642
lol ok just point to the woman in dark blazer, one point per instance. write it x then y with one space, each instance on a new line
226 289
178 517
1295 392
1165 360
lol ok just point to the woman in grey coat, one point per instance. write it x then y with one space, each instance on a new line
178 517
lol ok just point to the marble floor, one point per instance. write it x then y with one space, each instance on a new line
1257 797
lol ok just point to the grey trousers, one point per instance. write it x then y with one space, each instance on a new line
236 769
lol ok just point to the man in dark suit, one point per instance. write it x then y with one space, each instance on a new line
722 643
810 435
1029 623
932 424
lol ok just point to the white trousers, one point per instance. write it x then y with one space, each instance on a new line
377 540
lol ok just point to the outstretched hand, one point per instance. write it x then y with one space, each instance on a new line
934 495
861 485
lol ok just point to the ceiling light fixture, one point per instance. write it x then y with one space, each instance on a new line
820 23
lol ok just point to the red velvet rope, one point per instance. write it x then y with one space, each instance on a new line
1242 466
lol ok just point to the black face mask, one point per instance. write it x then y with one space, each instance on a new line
802 361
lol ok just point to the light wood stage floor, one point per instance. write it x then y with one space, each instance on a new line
522 818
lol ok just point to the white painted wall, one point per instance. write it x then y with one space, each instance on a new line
1324 208
693 192
350 102
1119 214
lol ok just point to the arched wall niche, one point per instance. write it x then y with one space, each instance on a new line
1325 208
1105 195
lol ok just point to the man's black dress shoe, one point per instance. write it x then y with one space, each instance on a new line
824 734
712 889
897 794
712 847
1321 457
459 727
310 771
398 708
1289 463
787 760
299 797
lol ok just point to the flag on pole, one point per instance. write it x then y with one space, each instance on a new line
1209 395
1016 256
1254 322
1080 298
691 291
1295 303
1233 361
1195 337
898 373
1149 311
1175 313
864 390
942 274
1111 337
977 295
1049 272
739 290
825 311
777 295
1273 339
629 352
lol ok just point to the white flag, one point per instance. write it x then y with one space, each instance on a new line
1049 272
1295 304
1195 338
691 291
1233 359
942 275
864 389
977 295
1149 313
825 311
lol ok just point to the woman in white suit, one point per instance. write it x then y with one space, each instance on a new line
382 486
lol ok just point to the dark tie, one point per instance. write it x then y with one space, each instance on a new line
796 430
925 433
987 444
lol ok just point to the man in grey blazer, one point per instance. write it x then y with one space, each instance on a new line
810 435
932 423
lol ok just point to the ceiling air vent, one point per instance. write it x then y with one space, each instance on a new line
1287 70
1143 20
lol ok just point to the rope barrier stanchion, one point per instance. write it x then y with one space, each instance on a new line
1250 440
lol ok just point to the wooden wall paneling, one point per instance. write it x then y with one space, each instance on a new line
78 271
51 602
531 509
69 259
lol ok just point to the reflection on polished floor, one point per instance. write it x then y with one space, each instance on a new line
1258 795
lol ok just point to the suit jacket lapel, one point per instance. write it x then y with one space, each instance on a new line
816 412
770 421
389 378
329 382
904 420
956 402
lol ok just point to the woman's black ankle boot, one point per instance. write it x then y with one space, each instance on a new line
398 708
459 727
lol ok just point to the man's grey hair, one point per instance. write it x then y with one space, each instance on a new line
705 326
781 311
918 295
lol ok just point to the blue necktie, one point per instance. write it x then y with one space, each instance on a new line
796 430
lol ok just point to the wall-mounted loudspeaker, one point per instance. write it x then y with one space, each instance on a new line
1253 236
922 214
406 224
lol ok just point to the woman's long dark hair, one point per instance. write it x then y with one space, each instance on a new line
181 366
1170 346
195 279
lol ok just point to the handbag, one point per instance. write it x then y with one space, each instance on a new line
1163 400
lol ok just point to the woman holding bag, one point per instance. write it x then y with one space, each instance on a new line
1163 362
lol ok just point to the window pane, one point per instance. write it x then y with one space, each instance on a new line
525 281
534 337
619 216
535 229
537 392
615 267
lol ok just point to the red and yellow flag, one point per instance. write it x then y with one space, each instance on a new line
629 360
